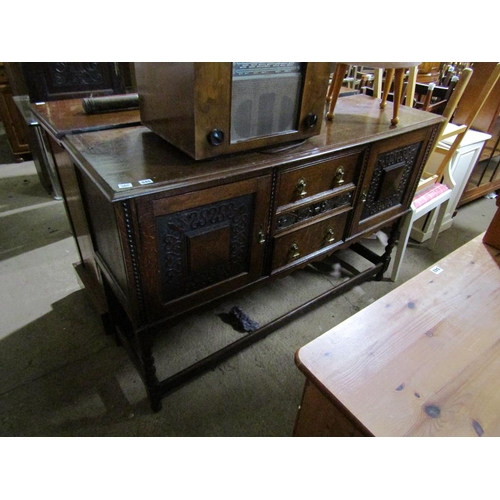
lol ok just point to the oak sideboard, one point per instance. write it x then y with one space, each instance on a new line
160 234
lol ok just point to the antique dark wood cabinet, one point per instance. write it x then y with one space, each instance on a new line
15 128
160 233
49 81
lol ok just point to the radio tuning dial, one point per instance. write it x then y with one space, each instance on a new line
311 120
215 137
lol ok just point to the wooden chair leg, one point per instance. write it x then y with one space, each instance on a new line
389 75
398 91
401 245
437 225
334 91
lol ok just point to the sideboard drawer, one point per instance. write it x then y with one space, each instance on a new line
294 247
301 183
304 213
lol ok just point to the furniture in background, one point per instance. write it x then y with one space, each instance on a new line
434 201
433 98
40 82
56 120
39 149
15 128
434 191
393 70
437 196
429 72
485 176
423 360
461 165
358 77
423 95
50 81
492 234
160 234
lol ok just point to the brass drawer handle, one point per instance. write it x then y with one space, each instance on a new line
330 236
301 187
339 176
261 237
294 251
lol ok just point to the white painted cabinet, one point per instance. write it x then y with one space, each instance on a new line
463 161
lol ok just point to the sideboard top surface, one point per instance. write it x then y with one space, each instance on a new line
133 161
66 117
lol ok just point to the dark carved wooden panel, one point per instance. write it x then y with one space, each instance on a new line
204 245
64 75
390 179
63 80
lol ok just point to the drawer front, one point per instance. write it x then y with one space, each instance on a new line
299 184
298 246
299 215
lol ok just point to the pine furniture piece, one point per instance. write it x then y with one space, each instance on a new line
423 360
160 234
394 70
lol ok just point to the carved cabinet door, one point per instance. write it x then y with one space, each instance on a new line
200 245
393 168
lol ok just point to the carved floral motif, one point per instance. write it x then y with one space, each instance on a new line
174 231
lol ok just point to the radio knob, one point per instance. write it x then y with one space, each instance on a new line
215 137
311 120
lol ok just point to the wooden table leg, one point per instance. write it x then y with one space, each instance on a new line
389 75
398 91
334 91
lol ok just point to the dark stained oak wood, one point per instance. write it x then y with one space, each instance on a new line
14 125
169 233
128 155
67 117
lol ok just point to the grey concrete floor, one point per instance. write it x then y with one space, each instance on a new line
60 375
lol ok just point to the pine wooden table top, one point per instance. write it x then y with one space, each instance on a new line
424 360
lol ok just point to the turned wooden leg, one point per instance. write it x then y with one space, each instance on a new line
398 91
391 242
110 328
389 75
334 90
150 379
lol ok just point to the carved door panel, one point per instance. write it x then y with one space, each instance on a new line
64 80
200 245
388 185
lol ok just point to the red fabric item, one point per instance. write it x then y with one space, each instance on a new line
429 194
